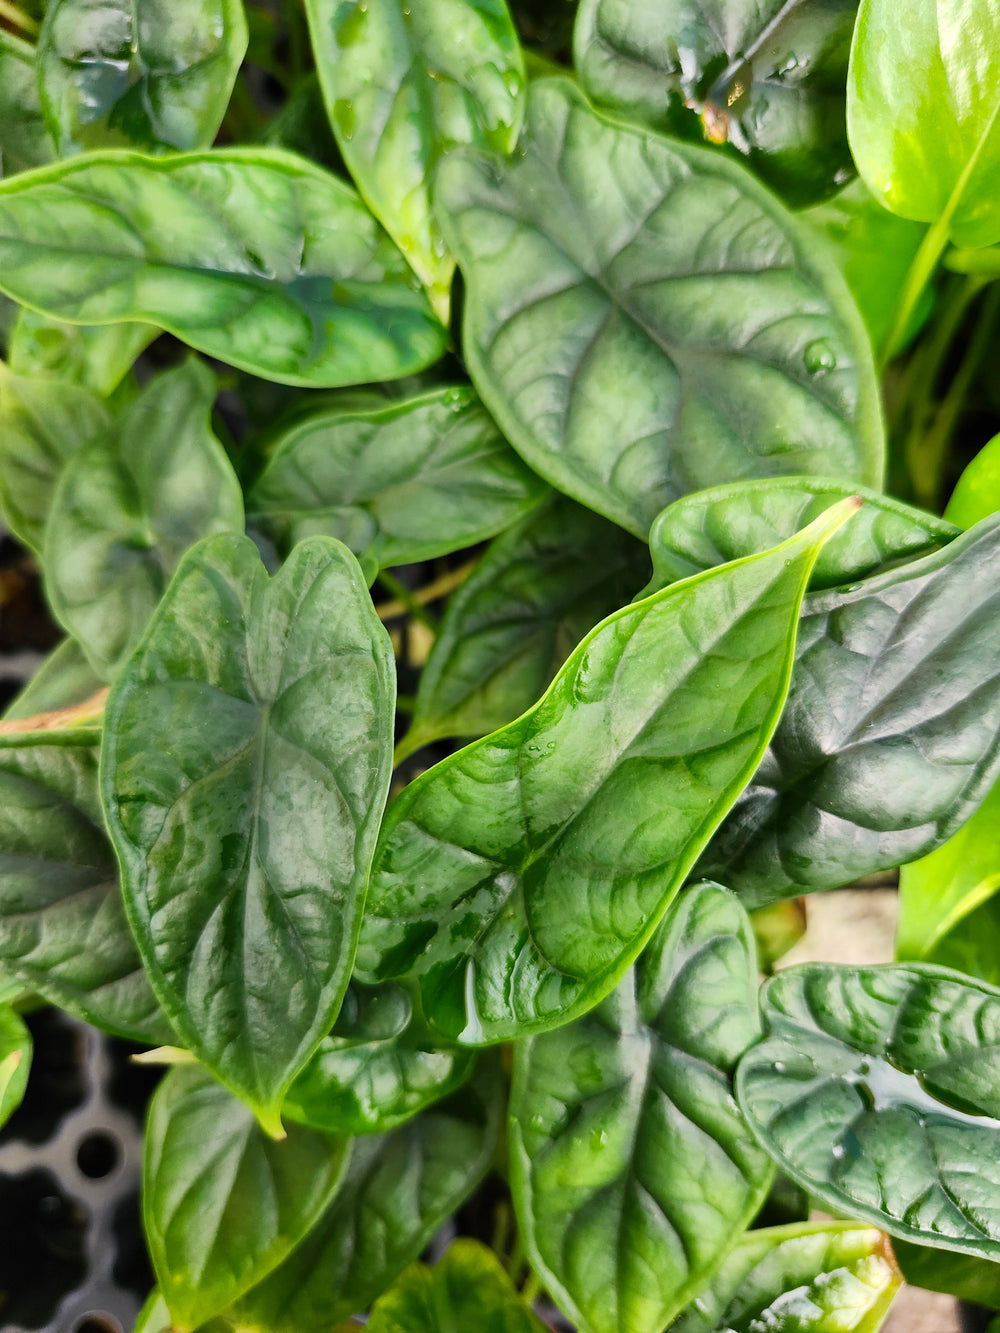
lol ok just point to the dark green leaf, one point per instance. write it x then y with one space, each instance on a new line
766 77
252 255
223 1204
828 1277
976 1280
128 505
403 84
376 1069
95 356
632 1169
396 483
15 1061
63 932
877 1090
113 73
63 680
601 794
24 140
246 763
642 318
506 631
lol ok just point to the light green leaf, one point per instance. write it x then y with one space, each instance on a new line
15 1061
252 255
222 1203
402 85
632 1170
127 506
95 356
247 755
24 140
398 482
977 494
63 680
876 1089
642 318
113 73
602 794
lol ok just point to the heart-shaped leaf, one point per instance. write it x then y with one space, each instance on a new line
24 140
15 1061
252 255
246 762
632 1169
603 793
876 1090
642 318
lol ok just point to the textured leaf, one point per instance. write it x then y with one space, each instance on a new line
506 631
978 491
246 762
633 1171
976 1280
114 73
601 795
95 356
833 1277
223 1204
376 1069
24 140
891 734
252 255
467 1289
63 680
128 505
403 84
876 1090
765 76
15 1061
643 319
63 932
922 110
729 522
398 1191
396 483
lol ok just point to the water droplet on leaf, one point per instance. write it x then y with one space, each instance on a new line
820 357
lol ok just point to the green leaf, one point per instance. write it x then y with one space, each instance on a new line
24 140
467 1289
63 680
975 1280
403 85
222 1203
829 1277
922 104
728 522
890 737
977 494
252 255
376 1069
247 755
43 422
95 356
113 73
63 933
778 928
766 78
603 793
399 1189
128 505
15 1061
397 483
632 1169
642 318
506 631
876 1090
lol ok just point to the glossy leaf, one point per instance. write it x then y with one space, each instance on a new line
223 1204
113 73
15 1061
252 255
729 522
602 794
128 505
376 1069
975 1280
891 733
876 1090
642 318
95 356
63 933
399 1189
397 483
63 680
506 631
467 1289
766 78
246 762
24 140
831 1277
922 104
633 1171
403 84
978 491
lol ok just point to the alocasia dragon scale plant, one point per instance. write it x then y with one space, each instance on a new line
596 373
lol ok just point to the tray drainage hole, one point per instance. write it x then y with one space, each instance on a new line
97 1323
97 1155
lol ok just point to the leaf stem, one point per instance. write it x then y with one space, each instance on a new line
407 599
922 270
439 588
531 1290
17 16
